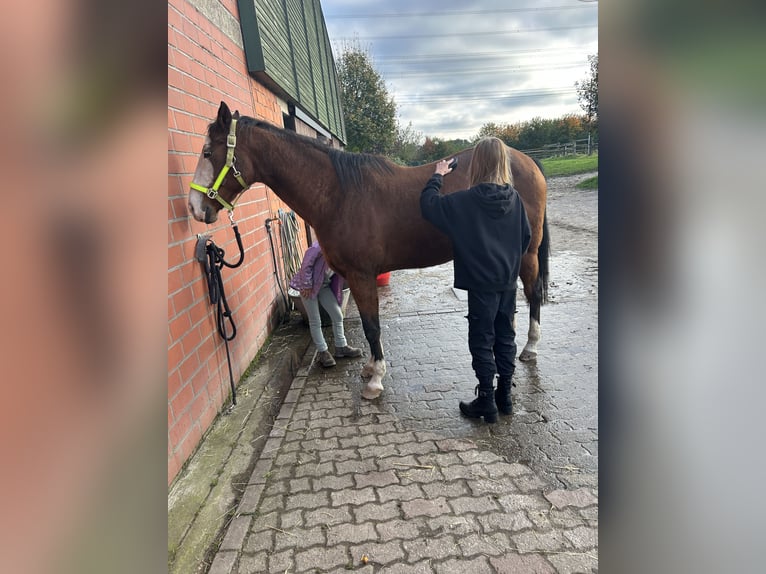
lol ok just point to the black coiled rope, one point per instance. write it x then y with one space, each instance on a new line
211 257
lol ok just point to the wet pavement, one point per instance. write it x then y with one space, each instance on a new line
404 483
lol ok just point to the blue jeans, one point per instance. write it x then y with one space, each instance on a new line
327 299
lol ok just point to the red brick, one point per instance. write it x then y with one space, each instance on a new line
179 430
189 367
183 299
181 401
175 280
191 341
175 356
174 383
179 326
198 406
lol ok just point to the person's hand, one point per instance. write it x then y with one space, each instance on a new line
306 293
443 168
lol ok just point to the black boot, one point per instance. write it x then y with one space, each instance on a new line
483 406
503 395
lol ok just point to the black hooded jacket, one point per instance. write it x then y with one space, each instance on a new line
489 230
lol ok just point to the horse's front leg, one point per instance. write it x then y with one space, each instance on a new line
365 291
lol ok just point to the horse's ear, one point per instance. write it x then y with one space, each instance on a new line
224 116
236 115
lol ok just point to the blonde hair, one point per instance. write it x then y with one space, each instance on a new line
490 163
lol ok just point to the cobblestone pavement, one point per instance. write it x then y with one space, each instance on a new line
403 484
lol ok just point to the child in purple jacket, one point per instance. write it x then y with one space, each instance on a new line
318 284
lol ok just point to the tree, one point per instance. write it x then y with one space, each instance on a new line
587 91
406 145
369 112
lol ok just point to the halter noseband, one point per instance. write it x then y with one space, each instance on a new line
212 192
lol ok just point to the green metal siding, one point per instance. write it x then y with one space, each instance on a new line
287 48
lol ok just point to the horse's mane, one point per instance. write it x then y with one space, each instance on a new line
352 169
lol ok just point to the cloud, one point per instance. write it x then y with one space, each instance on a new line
453 67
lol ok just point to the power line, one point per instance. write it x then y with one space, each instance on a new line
450 13
456 34
474 97
391 74
473 56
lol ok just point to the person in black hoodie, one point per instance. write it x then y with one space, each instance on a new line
489 230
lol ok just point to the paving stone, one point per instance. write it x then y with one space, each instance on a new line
356 466
312 469
320 557
236 532
421 448
379 553
397 462
258 541
379 479
340 454
358 441
332 482
223 563
533 541
574 563
376 511
298 485
580 498
433 548
397 492
327 516
272 503
249 563
307 500
478 565
510 522
423 507
582 538
353 497
516 502
488 486
480 456
423 567
351 533
250 499
280 561
448 489
399 529
397 438
458 525
486 544
521 564
473 505
299 538
292 519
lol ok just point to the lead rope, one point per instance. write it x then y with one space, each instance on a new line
212 260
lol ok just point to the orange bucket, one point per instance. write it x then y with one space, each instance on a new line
384 278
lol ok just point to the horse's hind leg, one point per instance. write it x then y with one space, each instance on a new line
534 295
365 293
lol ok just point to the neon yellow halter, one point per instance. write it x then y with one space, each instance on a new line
212 192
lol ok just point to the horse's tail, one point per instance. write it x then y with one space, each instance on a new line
543 254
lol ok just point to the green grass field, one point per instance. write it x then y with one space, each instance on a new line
590 183
573 165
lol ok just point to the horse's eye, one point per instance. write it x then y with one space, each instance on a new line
206 154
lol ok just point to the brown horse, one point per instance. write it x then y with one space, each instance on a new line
364 209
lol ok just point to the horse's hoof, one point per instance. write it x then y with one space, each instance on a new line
368 371
527 355
371 392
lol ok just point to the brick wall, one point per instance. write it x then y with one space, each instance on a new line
206 64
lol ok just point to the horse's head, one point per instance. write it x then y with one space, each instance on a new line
217 180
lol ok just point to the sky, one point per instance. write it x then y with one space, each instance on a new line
453 66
